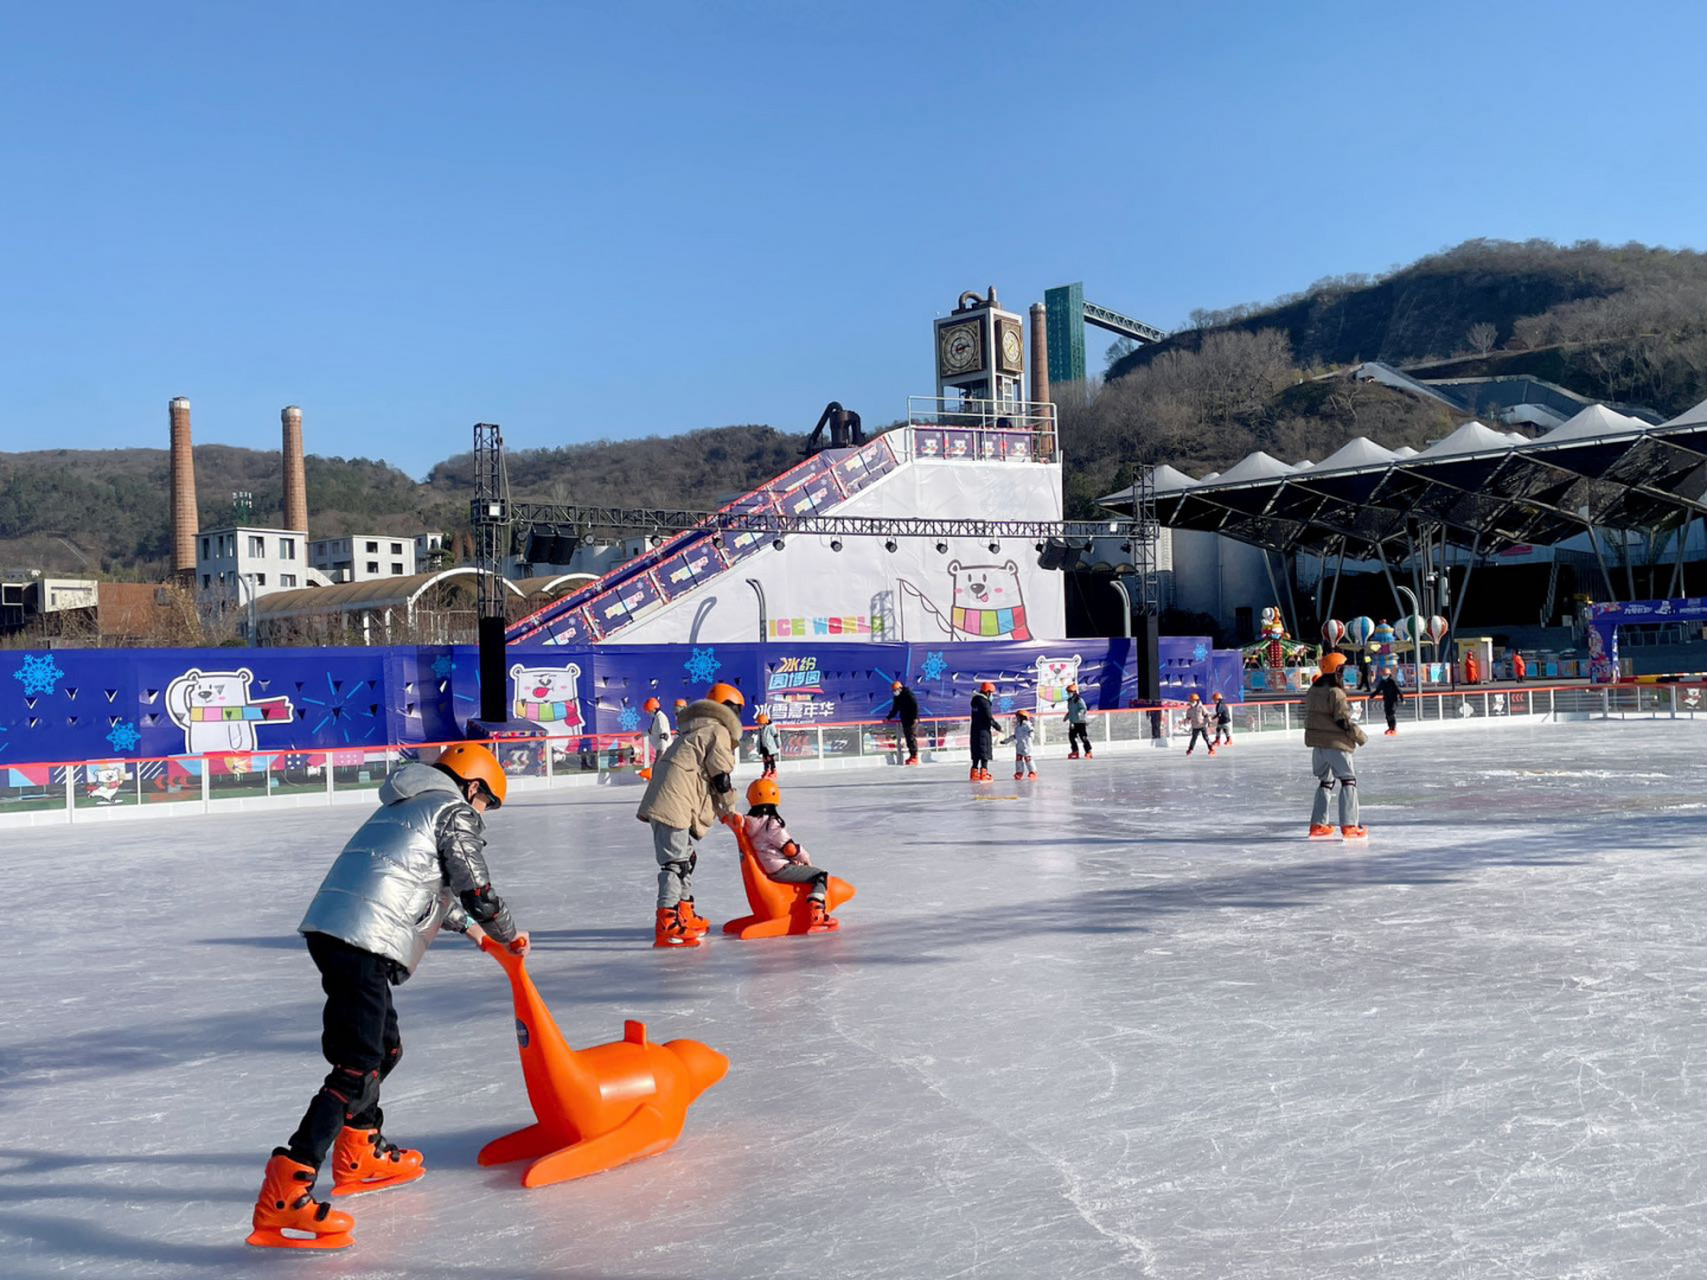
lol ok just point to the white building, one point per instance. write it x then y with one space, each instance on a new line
427 546
243 561
364 557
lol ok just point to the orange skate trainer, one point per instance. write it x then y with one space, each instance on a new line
287 1203
363 1160
671 932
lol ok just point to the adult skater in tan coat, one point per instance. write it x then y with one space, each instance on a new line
1332 734
692 787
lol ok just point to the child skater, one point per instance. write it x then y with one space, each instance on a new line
1078 728
1197 717
1223 723
780 855
770 743
1021 738
984 729
415 865
690 789
1387 689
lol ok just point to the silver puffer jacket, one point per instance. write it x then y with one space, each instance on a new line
401 875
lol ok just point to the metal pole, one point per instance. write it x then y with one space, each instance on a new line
1333 594
1416 640
1605 573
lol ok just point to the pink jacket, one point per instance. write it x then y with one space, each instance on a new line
767 836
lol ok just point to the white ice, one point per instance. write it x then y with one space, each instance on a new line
1128 1023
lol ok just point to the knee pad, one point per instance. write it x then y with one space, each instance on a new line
1350 782
392 1058
357 1091
679 869
1327 784
693 861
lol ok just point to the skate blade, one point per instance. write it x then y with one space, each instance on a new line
268 1238
377 1184
1335 836
675 944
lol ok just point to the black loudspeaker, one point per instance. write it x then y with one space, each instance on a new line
1147 654
1054 554
541 540
563 548
494 678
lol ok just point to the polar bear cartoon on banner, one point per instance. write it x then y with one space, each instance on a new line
988 602
216 713
548 696
1053 677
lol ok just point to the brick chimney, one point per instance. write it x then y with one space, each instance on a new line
1039 353
186 524
295 473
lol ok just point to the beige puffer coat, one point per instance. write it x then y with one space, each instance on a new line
1327 713
704 746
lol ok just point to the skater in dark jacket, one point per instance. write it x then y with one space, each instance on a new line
1222 715
905 708
984 730
414 866
1078 728
1387 689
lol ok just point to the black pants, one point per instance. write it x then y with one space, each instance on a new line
910 731
1076 734
359 1038
1197 733
1392 710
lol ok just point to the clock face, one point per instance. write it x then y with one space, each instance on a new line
958 349
1013 351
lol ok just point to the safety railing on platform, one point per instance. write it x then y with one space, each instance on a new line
70 791
981 430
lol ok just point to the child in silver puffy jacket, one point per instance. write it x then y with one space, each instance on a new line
1021 738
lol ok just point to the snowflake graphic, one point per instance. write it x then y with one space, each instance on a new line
1005 702
124 736
933 667
702 665
628 720
1199 651
442 667
40 673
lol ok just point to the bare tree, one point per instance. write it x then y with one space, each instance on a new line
1482 337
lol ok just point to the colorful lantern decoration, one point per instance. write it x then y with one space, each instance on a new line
1274 631
1436 629
1358 631
1413 628
1333 632
1383 634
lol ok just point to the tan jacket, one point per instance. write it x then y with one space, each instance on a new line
1326 713
704 746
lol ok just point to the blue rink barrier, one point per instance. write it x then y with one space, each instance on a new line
118 788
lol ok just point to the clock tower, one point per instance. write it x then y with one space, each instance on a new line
980 352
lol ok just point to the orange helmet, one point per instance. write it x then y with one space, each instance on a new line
763 791
651 704
1022 715
471 762
1218 695
761 718
897 687
1331 662
1195 698
727 694
986 687
680 703
1072 688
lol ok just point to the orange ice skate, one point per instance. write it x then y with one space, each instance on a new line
287 1204
363 1160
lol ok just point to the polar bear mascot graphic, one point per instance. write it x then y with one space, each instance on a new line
1053 677
547 696
988 603
216 713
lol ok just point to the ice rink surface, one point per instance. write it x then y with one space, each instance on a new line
1123 1021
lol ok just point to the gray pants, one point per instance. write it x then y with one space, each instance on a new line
796 874
676 856
1332 766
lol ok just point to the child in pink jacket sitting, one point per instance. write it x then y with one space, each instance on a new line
780 855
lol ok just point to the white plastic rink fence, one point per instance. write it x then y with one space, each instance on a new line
110 790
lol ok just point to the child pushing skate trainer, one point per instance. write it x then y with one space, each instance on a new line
779 854
1332 736
416 864
692 787
1021 738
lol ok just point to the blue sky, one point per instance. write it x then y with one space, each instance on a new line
587 221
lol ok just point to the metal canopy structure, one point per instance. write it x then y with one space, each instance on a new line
1478 487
